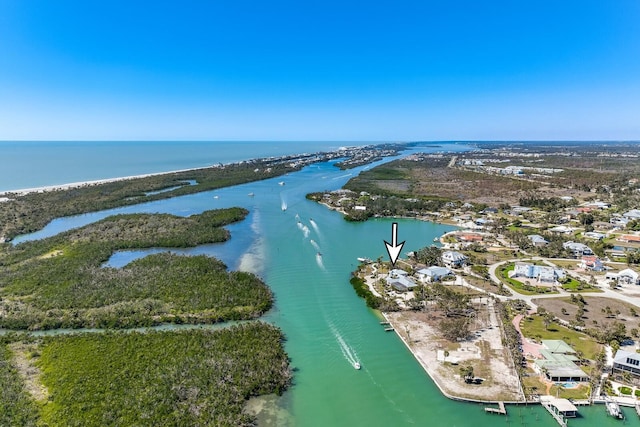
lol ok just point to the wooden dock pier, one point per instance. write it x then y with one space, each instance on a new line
500 410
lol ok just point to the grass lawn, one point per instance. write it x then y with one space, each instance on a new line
518 286
580 392
533 327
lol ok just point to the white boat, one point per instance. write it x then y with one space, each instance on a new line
365 260
614 409
215 197
281 183
356 365
251 194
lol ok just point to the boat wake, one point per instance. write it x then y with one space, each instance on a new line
315 245
349 354
315 226
319 260
305 230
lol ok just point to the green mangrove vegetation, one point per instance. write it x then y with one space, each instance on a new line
60 282
190 377
16 408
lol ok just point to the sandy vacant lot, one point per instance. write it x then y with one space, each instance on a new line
484 352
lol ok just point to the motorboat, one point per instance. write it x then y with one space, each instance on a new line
356 365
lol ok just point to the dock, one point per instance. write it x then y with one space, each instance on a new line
500 410
560 409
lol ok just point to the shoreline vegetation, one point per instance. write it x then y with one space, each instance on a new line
26 211
202 377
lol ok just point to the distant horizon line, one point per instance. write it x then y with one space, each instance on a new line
328 140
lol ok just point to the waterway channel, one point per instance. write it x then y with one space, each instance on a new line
306 254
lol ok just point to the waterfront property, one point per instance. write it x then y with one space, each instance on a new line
398 280
558 362
626 361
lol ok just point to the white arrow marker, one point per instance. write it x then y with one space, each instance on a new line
393 248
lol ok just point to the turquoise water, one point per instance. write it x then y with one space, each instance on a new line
327 326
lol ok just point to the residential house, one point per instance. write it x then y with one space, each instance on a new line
632 214
469 237
453 259
578 249
433 274
591 262
400 282
558 362
594 235
629 238
537 240
542 273
626 361
628 277
562 229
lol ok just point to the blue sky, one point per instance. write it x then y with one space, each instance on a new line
320 70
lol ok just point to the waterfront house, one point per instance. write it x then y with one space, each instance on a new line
453 259
537 240
433 274
542 273
626 361
558 362
401 283
628 277
577 249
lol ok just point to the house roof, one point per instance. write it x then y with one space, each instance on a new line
622 356
453 256
435 271
629 272
536 238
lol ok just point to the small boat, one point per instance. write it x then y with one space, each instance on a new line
251 194
365 260
320 254
215 197
281 183
356 365
614 410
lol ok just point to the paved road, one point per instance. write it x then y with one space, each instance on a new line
623 294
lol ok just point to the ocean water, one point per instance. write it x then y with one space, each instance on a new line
30 164
306 254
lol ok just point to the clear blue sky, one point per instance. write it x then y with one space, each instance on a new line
320 70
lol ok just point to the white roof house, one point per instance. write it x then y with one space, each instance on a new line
537 240
632 214
627 361
628 277
453 259
433 273
541 272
